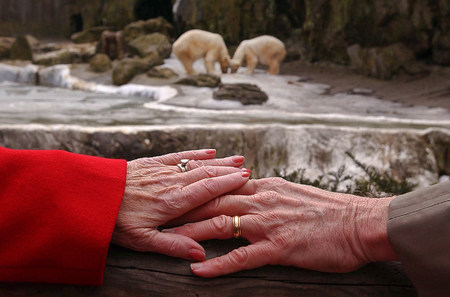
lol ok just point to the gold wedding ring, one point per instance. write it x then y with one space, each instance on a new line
237 232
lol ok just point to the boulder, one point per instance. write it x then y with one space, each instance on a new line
156 25
245 93
100 63
381 62
200 80
48 47
21 49
161 72
74 53
112 44
5 46
147 44
90 35
32 41
128 68
63 56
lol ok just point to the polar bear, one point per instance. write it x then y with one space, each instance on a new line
196 44
265 49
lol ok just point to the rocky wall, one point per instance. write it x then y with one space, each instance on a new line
325 28
420 156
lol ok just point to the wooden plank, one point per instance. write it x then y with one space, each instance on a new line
130 273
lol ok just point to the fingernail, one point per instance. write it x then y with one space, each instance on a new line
245 174
210 152
196 266
237 159
196 254
168 230
246 170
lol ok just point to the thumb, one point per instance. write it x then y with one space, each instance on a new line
176 245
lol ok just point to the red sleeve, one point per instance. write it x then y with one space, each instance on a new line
57 215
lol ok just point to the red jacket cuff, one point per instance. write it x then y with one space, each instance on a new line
58 211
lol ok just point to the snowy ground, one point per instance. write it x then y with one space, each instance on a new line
146 102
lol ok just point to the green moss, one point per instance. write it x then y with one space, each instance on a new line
376 183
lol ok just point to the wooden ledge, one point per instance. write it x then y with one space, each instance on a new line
130 273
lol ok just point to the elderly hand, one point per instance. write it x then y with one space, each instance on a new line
157 191
292 224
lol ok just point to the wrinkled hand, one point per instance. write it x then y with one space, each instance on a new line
292 224
157 191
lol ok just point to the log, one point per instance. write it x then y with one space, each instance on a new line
130 273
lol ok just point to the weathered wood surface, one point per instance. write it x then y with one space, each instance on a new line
130 273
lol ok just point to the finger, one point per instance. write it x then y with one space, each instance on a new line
243 258
174 158
230 205
204 190
220 227
204 172
249 188
176 245
234 161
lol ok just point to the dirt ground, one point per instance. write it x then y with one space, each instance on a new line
431 89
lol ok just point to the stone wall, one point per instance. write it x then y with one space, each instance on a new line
420 156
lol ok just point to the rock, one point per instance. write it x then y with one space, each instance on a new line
160 72
245 93
100 63
286 148
5 46
32 41
63 56
21 49
361 91
117 13
139 28
48 47
26 75
380 62
112 45
147 44
90 35
128 68
201 80
73 53
355 55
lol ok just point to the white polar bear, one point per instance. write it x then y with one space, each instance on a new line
265 49
196 44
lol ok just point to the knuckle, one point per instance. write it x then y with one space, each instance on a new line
210 171
215 204
277 181
281 241
174 203
173 248
219 265
211 186
196 164
220 224
239 257
269 198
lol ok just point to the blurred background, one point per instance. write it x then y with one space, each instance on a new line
362 99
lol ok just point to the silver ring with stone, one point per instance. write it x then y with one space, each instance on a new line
183 165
